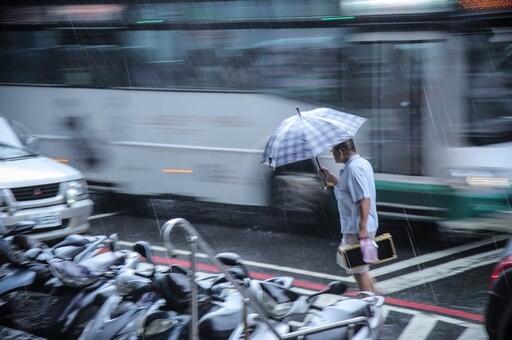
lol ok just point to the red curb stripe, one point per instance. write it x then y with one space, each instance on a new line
317 287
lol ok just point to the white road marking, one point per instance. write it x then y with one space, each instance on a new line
384 311
442 318
418 260
474 333
438 272
418 328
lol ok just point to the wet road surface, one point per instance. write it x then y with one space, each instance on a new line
436 287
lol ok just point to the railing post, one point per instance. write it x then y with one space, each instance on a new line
244 315
193 289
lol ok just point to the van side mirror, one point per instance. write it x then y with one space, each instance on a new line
32 142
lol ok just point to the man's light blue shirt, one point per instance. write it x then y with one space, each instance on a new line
356 183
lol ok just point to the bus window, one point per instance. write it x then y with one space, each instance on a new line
305 67
489 119
91 58
26 57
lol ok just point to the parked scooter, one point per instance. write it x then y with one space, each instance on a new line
220 307
155 304
85 286
42 280
122 313
323 315
27 265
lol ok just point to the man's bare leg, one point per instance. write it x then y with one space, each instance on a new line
364 282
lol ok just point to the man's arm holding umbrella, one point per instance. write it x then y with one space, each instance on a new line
327 175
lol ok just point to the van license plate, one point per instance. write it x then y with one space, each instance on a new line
47 220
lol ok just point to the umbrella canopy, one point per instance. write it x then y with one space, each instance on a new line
308 134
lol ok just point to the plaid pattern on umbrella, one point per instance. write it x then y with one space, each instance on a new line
308 134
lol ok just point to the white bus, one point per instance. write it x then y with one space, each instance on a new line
178 99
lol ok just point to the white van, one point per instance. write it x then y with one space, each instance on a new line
37 188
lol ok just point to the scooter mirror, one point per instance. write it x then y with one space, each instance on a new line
336 287
20 228
144 249
112 241
229 259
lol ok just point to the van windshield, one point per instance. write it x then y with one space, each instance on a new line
9 152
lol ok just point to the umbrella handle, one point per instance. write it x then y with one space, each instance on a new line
320 168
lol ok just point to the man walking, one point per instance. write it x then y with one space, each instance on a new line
356 196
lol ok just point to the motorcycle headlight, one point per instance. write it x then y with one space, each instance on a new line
76 190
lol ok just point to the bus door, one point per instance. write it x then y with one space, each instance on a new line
386 81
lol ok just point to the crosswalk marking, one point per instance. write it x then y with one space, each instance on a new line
438 272
418 260
418 328
384 314
474 333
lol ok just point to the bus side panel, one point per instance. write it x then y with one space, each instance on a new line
202 145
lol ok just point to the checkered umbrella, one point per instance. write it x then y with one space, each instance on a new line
308 134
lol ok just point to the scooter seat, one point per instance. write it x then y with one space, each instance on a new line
343 310
75 240
67 252
103 261
351 308
90 268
